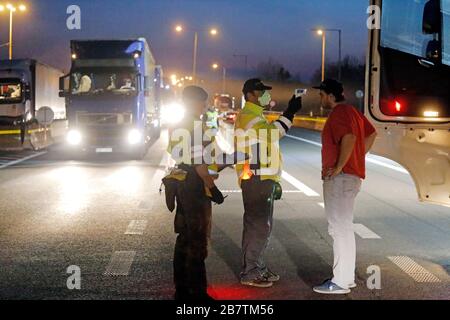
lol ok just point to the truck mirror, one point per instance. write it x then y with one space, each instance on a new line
64 83
27 92
432 17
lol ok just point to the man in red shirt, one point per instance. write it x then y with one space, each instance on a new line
347 137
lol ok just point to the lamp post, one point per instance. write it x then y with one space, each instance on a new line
213 32
322 32
12 9
216 66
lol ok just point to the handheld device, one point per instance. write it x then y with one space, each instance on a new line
300 92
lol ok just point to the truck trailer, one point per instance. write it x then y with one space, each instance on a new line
26 86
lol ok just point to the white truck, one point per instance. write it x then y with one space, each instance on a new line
25 87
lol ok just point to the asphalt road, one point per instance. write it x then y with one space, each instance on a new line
105 216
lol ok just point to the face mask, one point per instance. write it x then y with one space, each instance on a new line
265 99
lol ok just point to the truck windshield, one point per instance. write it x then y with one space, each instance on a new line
10 92
94 83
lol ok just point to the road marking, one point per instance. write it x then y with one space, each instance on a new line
386 165
364 232
300 186
12 163
360 229
136 227
414 270
120 263
370 159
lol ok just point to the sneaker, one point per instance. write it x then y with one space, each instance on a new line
352 286
330 288
271 276
259 282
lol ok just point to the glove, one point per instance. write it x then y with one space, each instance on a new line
295 105
217 196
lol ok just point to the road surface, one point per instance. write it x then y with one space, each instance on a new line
105 216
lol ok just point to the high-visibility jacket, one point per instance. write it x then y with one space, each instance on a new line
186 148
258 138
212 119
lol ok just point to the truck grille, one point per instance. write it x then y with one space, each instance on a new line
91 119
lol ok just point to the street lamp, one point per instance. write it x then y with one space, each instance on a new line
322 33
12 9
213 32
216 66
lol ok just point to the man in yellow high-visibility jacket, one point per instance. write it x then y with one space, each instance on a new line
259 177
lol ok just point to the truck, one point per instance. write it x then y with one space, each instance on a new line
408 90
26 86
113 97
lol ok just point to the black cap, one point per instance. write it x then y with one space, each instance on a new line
333 87
255 85
194 93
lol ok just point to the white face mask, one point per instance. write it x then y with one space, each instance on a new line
265 99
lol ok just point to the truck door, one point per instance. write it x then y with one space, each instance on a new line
408 81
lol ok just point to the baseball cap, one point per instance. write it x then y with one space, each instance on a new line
194 93
333 87
254 85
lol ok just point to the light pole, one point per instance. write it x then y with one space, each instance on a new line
12 9
212 32
216 66
322 32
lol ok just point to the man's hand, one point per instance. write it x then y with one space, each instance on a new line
333 172
295 105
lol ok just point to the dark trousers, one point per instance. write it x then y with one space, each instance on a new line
193 226
258 199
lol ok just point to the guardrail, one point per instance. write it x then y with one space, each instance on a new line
312 123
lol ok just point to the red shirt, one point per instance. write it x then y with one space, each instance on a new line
343 120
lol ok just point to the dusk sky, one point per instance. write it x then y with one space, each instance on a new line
258 28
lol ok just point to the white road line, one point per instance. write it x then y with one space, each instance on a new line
360 229
370 159
305 140
414 270
386 165
299 185
136 227
120 263
364 232
12 163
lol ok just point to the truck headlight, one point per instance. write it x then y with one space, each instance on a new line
74 137
134 137
173 113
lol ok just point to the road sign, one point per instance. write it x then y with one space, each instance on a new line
45 116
